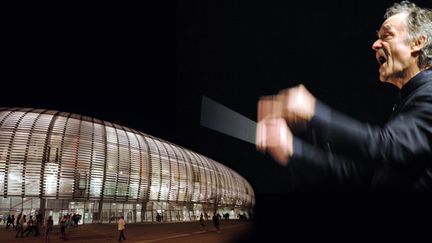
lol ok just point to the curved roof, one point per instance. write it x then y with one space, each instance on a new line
87 157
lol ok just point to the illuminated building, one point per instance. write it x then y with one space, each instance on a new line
57 163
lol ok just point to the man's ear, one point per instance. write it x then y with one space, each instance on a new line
419 44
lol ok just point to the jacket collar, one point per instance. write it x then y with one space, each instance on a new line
421 78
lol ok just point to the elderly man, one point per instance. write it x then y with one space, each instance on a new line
399 154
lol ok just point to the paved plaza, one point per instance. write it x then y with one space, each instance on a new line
231 231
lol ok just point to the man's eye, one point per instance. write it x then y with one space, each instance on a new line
385 36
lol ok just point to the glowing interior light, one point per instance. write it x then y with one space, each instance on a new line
13 177
50 184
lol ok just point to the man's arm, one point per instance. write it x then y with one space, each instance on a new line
399 141
345 169
274 137
405 137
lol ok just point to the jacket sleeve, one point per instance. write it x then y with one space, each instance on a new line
343 167
407 135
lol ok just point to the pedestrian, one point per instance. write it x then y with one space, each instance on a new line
63 228
48 228
18 221
22 226
121 228
216 222
30 226
9 219
39 220
202 223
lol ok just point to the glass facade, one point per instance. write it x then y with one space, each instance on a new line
58 163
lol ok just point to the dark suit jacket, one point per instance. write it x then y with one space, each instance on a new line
394 157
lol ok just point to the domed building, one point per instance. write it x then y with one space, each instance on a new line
59 163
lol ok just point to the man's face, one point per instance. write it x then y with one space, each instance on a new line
393 52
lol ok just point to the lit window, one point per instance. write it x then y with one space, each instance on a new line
196 175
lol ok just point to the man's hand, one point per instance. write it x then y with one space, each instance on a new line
298 104
295 105
274 136
269 106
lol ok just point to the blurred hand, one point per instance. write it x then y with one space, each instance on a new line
274 136
269 106
298 104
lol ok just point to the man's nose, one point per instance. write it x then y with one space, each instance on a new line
377 45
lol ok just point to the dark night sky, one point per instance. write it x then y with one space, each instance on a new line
114 62
147 66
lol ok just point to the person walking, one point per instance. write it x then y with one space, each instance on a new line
30 226
216 222
18 219
39 221
121 228
22 226
10 220
202 222
63 222
48 228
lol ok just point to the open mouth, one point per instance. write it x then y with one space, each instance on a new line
381 58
